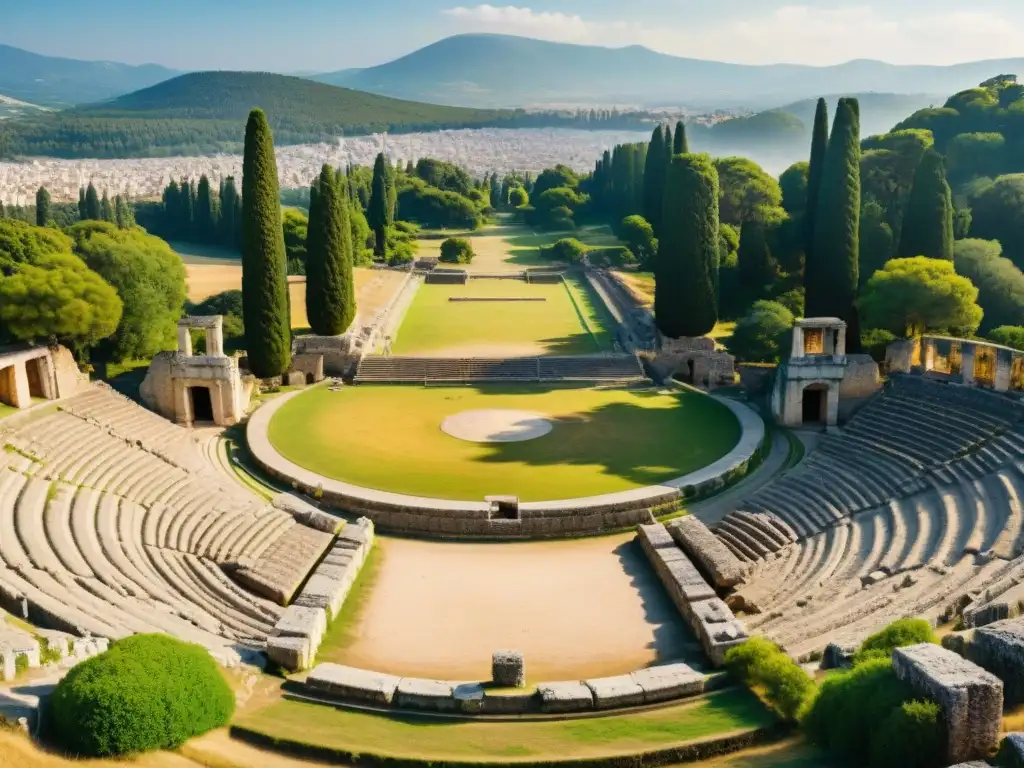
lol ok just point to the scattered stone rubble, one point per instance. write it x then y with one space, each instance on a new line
508 669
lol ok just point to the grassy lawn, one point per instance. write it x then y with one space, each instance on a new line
570 321
603 441
427 739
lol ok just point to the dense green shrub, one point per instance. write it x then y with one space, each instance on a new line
875 341
897 635
1008 335
147 692
764 668
611 256
761 336
567 249
849 707
912 736
457 250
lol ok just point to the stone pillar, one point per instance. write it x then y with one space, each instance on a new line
215 341
1004 364
832 406
841 343
184 340
967 353
927 353
798 342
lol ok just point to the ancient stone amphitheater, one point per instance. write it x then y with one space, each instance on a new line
915 509
113 523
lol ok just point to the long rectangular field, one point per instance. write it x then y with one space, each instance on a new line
567 320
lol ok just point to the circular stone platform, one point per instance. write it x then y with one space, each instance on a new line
498 425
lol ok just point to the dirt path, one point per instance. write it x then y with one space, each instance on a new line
579 608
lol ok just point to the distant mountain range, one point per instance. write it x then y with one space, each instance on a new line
55 82
500 70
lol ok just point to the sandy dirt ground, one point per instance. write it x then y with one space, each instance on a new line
579 608
374 288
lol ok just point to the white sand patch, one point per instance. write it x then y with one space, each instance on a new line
496 426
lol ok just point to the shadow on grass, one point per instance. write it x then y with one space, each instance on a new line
645 446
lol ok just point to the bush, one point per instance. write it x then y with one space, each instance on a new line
764 668
611 256
457 250
912 736
875 342
845 714
793 300
897 635
1008 336
761 336
147 692
518 197
567 249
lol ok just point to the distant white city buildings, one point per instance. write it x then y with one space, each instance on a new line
479 151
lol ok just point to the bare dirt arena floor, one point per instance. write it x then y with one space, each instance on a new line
581 608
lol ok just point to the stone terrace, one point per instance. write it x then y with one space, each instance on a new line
111 525
421 370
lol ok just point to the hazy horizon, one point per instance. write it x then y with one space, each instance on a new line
267 35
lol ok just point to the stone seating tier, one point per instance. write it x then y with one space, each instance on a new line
959 546
602 368
918 434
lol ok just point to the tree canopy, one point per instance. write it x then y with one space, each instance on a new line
998 214
909 297
1000 283
927 228
747 192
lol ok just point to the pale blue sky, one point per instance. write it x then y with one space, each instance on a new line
290 35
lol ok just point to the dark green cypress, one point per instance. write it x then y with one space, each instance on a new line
379 213
685 303
106 209
228 224
264 282
82 210
330 288
3 211
680 144
92 204
928 223
186 215
831 288
654 179
42 207
204 213
754 259
819 145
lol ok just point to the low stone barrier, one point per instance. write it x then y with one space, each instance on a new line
711 554
652 685
301 628
710 619
971 698
997 648
443 518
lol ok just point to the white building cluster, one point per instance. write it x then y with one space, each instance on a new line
479 151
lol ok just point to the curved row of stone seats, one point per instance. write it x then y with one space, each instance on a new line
652 685
106 407
929 554
917 434
397 369
70 554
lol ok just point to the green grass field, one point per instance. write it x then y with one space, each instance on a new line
427 739
603 441
570 320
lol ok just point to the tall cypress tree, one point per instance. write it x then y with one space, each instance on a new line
42 207
831 288
654 179
264 283
229 203
685 303
754 260
106 209
204 213
82 210
819 145
3 211
378 215
330 289
186 214
928 223
92 204
680 143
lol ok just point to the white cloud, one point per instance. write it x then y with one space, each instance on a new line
791 33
